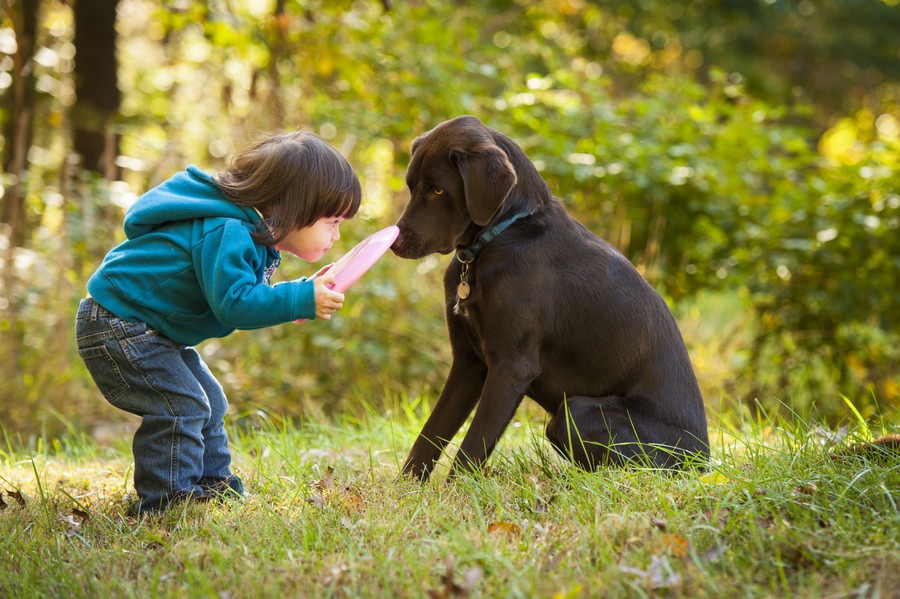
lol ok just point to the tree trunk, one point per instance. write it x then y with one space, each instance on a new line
18 129
96 86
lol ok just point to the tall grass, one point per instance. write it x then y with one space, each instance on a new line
783 511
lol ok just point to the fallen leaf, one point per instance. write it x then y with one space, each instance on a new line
572 593
675 545
316 500
73 524
807 488
81 514
70 520
540 506
332 575
352 499
327 481
325 485
17 495
470 579
714 478
347 497
714 552
508 528
721 516
659 575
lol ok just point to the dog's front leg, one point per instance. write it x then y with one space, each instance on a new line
502 393
457 399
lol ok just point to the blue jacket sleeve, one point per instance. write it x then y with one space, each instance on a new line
229 267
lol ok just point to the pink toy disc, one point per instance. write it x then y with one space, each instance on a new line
362 257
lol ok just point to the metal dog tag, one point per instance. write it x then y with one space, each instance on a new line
463 289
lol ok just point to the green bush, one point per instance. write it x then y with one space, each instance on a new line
709 189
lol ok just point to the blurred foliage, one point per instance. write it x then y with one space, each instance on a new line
731 149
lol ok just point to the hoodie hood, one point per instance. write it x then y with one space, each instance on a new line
166 203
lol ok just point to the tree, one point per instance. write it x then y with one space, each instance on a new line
20 106
96 86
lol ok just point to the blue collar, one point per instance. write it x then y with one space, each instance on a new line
469 254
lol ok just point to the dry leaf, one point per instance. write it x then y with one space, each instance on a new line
658 576
807 488
674 545
327 481
470 578
722 516
347 497
316 500
332 575
17 495
540 506
508 528
715 552
714 478
353 501
572 593
81 514
326 489
74 523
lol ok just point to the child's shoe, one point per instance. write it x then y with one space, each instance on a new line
229 488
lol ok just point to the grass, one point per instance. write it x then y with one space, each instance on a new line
778 515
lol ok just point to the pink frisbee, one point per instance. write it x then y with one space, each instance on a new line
362 257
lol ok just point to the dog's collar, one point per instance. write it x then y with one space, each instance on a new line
468 255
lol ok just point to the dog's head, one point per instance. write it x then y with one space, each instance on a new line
458 176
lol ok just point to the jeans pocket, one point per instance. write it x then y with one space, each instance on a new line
105 372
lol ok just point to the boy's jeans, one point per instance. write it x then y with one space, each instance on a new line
180 448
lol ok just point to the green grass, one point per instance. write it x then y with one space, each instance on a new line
776 516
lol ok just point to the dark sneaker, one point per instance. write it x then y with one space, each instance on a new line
196 494
231 487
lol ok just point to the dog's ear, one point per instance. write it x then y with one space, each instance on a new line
415 145
488 177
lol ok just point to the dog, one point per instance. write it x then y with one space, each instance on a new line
538 306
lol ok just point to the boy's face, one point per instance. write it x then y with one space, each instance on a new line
314 241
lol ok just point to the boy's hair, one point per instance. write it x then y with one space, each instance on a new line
293 179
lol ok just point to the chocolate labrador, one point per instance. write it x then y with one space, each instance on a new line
537 305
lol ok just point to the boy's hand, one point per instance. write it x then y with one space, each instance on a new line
327 301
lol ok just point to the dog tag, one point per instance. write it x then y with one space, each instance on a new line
462 290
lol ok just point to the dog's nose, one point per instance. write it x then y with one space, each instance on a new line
402 246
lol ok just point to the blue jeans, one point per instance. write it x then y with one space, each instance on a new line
180 448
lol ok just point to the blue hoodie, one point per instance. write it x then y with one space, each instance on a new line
190 269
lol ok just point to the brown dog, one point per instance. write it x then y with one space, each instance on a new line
537 305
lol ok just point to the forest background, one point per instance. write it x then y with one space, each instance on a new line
744 154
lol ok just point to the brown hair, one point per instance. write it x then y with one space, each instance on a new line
293 179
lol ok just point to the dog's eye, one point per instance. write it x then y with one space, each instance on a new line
438 191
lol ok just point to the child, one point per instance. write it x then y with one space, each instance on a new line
199 253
